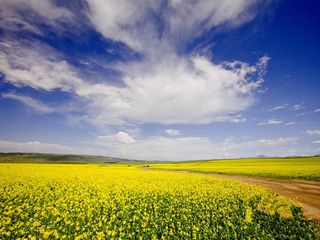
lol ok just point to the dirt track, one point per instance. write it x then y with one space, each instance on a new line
306 193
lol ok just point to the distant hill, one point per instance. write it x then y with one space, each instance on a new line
58 158
87 159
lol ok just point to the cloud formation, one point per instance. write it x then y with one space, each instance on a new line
278 107
313 132
36 65
173 132
33 104
120 137
167 85
188 148
298 107
155 26
20 15
270 122
33 146
290 123
276 142
124 145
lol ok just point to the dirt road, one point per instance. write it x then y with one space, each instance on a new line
306 193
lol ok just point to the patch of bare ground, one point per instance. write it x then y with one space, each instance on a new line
305 193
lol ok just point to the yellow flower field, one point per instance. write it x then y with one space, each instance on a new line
306 168
51 201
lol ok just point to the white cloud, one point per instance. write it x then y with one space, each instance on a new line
232 118
33 146
20 15
173 132
317 110
186 148
187 19
270 122
277 142
195 91
290 123
313 132
261 144
316 142
164 86
181 20
162 148
262 64
120 137
191 92
40 107
123 145
278 107
229 139
298 107
37 66
30 102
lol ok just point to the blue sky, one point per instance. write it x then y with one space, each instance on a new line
160 80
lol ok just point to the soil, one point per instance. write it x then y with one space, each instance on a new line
304 193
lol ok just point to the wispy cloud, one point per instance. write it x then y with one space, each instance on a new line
238 118
122 144
173 132
28 16
270 122
30 102
120 137
290 123
317 110
298 107
259 143
182 21
316 142
33 146
182 148
278 107
276 142
36 65
163 86
313 132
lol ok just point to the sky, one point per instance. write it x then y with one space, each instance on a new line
160 80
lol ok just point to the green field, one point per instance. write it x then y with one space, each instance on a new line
115 201
307 168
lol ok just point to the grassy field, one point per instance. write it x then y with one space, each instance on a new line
307 168
87 201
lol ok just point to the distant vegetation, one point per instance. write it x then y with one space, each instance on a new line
57 158
307 168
